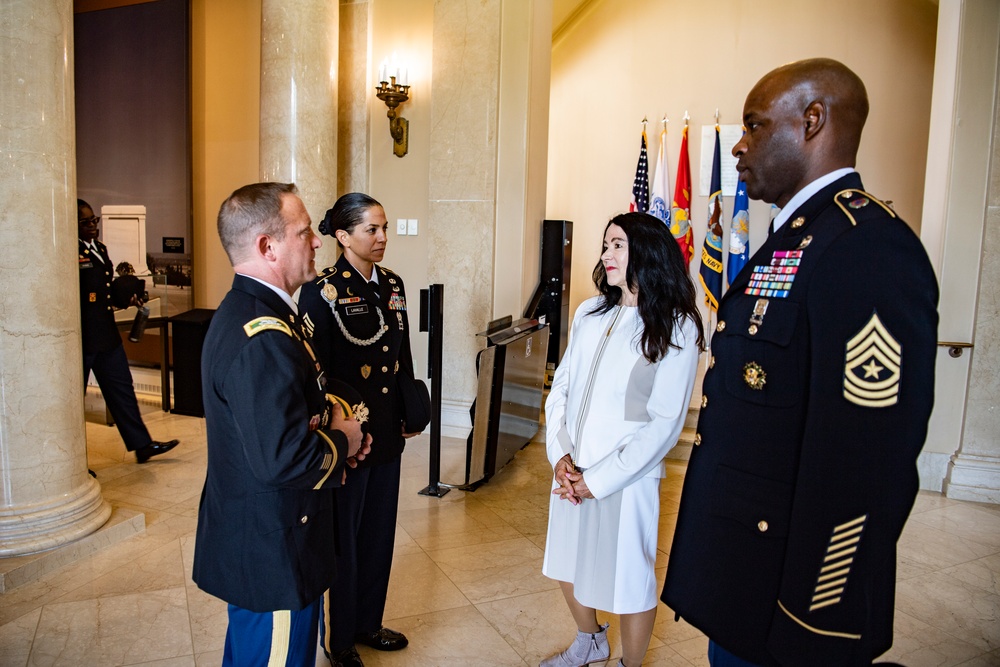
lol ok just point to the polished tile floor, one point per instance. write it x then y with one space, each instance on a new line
466 584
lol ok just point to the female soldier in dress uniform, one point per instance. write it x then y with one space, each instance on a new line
356 311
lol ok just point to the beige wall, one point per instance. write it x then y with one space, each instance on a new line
621 60
225 124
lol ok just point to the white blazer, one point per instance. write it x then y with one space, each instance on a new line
616 414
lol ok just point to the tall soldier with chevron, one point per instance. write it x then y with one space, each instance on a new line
816 401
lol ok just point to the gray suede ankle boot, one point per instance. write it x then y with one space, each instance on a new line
585 649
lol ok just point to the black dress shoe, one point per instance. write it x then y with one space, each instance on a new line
382 639
154 449
346 658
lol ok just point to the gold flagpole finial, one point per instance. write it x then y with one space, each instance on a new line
686 117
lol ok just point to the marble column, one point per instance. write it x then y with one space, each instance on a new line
975 469
462 179
46 496
298 103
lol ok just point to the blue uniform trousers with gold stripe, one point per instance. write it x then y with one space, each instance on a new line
271 639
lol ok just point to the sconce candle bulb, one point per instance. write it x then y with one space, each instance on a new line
393 90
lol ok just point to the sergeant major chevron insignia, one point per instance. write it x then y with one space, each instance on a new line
872 366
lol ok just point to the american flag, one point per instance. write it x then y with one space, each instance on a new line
640 186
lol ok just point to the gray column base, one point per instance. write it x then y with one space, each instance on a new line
975 478
52 523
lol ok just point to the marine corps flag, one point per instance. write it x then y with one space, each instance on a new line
739 234
640 185
710 272
661 181
680 212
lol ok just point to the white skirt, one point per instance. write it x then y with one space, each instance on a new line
607 548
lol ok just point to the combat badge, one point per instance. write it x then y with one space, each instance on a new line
329 293
872 366
754 376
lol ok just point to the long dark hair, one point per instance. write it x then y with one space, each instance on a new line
347 213
657 272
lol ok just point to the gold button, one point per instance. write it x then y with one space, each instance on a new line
721 326
752 330
385 348
704 401
304 519
711 362
798 222
762 526
107 284
385 390
385 369
697 438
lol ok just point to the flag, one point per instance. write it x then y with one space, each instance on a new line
661 182
680 212
710 272
640 185
739 233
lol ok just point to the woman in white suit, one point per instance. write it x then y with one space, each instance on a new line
617 405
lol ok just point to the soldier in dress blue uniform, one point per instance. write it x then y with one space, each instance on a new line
816 401
103 351
277 447
356 311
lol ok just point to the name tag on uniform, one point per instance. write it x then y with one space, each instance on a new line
86 264
359 309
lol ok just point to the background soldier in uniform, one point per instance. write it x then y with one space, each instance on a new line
276 446
816 402
103 351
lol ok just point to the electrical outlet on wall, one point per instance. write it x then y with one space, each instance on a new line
400 226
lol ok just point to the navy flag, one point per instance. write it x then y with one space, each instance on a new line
710 273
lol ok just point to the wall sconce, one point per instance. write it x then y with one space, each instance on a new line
393 90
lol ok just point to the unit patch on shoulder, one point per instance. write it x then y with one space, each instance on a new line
872 366
254 327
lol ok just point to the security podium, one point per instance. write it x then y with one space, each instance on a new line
509 398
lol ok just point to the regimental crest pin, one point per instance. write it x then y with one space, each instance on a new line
366 370
872 366
754 376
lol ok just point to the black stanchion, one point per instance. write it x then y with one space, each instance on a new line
432 321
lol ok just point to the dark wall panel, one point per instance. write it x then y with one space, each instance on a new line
132 120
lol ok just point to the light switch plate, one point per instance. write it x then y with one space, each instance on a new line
400 226
411 226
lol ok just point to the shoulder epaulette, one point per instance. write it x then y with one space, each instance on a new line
385 270
854 204
254 327
325 273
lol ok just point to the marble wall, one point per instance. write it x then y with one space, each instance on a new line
462 178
